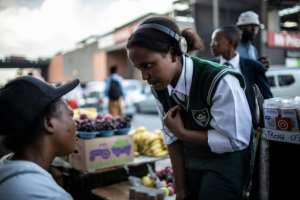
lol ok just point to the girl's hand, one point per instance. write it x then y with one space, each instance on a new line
173 121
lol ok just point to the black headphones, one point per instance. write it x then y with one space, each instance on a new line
181 40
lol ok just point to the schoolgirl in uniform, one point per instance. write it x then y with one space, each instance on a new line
206 118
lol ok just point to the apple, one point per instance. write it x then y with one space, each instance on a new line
147 181
170 184
159 174
108 117
99 117
169 170
165 190
162 183
169 178
171 191
83 116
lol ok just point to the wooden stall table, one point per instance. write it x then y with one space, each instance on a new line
119 191
81 184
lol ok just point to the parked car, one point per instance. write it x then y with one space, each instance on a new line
94 95
133 90
148 105
94 86
284 81
76 95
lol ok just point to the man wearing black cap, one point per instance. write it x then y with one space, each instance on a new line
37 126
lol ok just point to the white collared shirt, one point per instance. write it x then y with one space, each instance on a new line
231 118
184 83
234 62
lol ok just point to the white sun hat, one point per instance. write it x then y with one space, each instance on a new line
248 17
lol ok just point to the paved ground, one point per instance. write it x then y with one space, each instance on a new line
150 121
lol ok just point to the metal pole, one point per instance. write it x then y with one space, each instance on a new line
263 34
215 14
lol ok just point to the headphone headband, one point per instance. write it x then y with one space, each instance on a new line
181 40
161 28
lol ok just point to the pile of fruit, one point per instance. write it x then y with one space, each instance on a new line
101 122
122 122
148 144
162 180
85 123
90 112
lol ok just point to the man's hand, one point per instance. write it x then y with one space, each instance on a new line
264 61
173 121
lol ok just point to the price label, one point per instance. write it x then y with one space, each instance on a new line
281 136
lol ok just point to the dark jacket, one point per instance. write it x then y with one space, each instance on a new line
253 73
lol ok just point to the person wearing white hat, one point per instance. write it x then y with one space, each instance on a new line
248 23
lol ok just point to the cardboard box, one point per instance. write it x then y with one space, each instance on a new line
102 152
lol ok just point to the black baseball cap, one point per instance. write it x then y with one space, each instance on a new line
24 99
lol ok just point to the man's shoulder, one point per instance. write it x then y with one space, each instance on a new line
45 186
117 77
242 45
25 175
249 61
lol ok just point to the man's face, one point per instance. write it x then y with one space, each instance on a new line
158 69
249 31
65 129
219 44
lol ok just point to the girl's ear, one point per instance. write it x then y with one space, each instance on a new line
173 54
48 124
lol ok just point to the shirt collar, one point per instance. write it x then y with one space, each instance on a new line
184 82
235 61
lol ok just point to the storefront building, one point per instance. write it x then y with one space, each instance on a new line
93 56
283 33
279 40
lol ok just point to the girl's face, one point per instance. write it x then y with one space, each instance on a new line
158 69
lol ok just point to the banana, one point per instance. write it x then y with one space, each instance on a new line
148 143
153 142
156 151
140 129
161 154
152 149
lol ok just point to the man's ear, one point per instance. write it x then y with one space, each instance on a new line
48 124
231 43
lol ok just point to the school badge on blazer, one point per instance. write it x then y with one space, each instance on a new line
201 117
